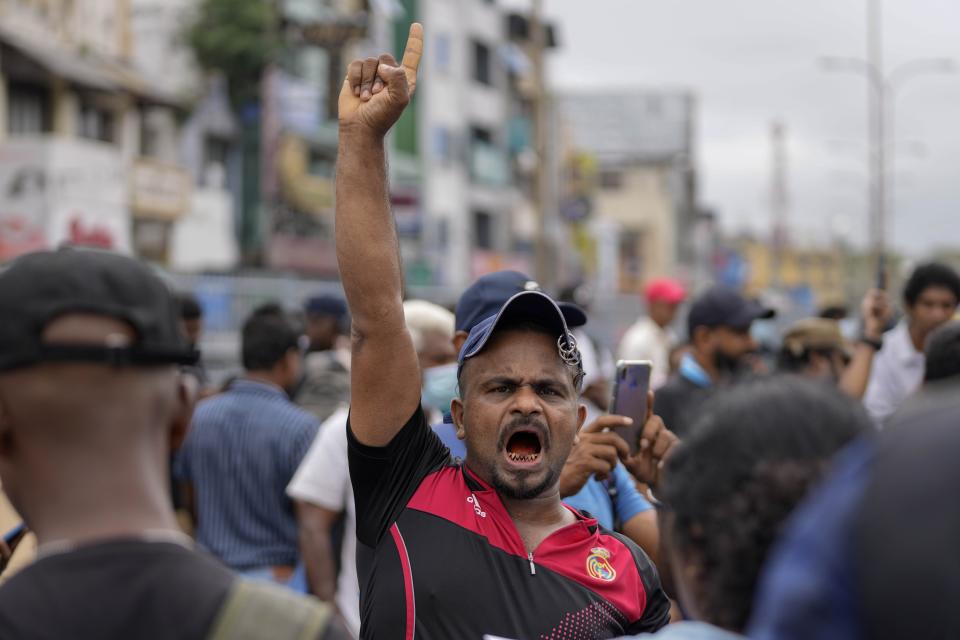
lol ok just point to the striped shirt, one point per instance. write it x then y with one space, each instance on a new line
242 450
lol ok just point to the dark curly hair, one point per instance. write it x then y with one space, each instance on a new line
932 274
731 485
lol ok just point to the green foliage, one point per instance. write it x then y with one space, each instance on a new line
239 38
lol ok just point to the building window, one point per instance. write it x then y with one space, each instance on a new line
480 135
611 179
95 123
482 64
29 109
441 51
483 230
216 154
442 144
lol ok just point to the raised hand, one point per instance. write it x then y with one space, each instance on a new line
875 311
377 90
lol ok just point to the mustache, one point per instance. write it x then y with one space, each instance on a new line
524 421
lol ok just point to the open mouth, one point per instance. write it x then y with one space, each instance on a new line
523 447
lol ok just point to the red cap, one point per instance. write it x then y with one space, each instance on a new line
665 290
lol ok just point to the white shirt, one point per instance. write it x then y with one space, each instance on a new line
897 372
646 340
597 363
323 479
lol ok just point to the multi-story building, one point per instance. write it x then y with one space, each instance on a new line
89 145
298 125
641 206
469 197
812 275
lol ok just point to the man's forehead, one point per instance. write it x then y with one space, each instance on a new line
516 356
937 292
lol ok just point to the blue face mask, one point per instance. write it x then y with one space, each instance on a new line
439 386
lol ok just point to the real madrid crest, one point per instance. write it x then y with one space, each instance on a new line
598 565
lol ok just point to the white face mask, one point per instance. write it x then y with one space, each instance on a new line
439 386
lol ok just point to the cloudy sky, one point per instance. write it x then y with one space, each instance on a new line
750 61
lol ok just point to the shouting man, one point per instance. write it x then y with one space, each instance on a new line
486 547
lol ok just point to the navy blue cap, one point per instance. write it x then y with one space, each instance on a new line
485 297
534 306
725 307
326 305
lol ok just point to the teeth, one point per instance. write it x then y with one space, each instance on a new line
516 457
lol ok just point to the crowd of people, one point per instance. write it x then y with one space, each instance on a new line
389 468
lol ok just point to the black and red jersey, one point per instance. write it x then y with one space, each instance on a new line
439 557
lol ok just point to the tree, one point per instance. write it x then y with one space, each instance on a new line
237 38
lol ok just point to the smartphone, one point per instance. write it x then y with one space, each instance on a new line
13 536
630 391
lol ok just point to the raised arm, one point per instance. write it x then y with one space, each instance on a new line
385 380
875 311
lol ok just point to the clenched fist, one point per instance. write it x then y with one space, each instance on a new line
377 90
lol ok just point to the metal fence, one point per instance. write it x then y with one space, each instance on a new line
228 299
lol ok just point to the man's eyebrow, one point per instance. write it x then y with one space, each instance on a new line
536 382
547 381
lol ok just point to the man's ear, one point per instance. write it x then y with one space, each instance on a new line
581 416
456 412
188 389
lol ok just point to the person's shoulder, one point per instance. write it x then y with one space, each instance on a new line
294 417
638 330
211 407
675 386
262 610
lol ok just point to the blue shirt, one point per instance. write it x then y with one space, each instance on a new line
594 498
448 435
242 450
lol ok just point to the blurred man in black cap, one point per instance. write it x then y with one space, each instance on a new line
191 324
90 396
720 342
326 381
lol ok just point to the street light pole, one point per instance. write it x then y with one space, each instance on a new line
882 91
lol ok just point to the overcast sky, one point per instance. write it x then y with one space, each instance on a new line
750 61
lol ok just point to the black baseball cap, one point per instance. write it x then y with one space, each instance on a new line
485 297
725 307
37 288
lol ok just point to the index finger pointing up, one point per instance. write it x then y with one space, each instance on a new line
412 54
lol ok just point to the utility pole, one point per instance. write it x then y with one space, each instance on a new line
542 271
779 200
